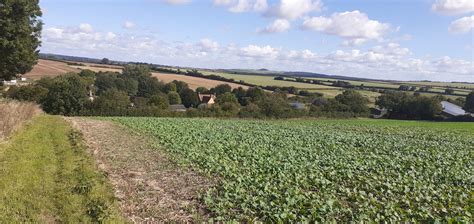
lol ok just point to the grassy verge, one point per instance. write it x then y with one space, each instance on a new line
46 176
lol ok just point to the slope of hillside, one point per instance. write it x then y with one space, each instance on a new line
47 68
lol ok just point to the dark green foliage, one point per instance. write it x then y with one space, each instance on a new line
67 95
174 98
401 105
180 85
189 98
202 90
354 102
227 98
469 105
32 93
112 102
449 91
221 89
404 88
105 61
171 87
20 31
161 101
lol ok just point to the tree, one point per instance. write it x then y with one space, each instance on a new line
202 90
404 88
112 102
171 87
469 105
67 95
31 93
105 61
220 89
355 102
174 98
227 98
20 31
161 101
189 98
449 91
180 85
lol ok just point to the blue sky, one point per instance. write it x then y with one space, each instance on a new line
386 39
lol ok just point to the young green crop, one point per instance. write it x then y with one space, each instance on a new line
324 171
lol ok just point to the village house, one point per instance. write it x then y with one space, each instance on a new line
207 99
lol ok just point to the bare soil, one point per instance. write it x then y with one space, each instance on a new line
149 186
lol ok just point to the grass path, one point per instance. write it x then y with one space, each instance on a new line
149 186
46 176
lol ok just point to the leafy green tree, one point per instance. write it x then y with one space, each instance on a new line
221 89
227 98
112 102
392 101
174 98
255 94
180 85
31 93
404 88
67 95
202 90
189 98
171 87
105 61
469 105
354 101
20 31
159 100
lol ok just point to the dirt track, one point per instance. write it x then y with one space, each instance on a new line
149 187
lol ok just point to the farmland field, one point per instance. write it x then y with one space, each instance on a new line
47 68
325 170
268 81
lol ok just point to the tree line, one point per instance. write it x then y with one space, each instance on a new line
134 92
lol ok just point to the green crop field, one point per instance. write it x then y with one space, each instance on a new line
267 81
325 170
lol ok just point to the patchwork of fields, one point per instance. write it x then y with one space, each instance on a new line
330 170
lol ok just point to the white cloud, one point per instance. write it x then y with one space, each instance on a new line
293 9
238 6
463 25
128 25
86 28
255 51
355 26
387 61
177 2
278 26
208 45
453 7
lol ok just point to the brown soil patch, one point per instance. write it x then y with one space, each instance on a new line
194 82
98 68
47 68
149 186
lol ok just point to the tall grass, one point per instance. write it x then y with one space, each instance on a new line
13 114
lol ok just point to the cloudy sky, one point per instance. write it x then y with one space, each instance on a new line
385 39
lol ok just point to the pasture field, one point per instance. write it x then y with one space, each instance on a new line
194 82
325 170
268 81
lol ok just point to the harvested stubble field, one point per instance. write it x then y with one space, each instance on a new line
332 170
47 68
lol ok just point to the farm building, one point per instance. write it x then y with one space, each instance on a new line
452 110
177 108
208 99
